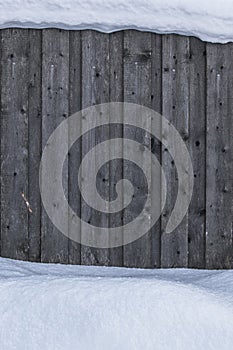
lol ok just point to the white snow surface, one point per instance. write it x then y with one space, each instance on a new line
210 20
58 307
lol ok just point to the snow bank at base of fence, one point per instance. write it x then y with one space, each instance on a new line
73 307
208 20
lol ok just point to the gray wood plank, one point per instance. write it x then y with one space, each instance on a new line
137 89
116 95
95 90
175 82
1 84
197 146
75 153
34 141
219 153
156 104
55 107
14 143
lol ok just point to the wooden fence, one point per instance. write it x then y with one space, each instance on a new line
47 75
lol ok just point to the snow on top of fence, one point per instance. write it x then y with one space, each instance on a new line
209 20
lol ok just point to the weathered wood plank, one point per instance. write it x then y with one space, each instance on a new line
95 90
219 153
0 127
137 89
197 145
116 168
175 84
14 143
156 104
75 153
55 107
34 141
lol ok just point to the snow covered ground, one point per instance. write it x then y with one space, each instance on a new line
54 307
210 20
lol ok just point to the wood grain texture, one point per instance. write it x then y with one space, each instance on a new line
55 108
175 85
47 75
156 104
219 155
34 141
197 146
95 90
14 143
137 89
116 95
1 110
75 153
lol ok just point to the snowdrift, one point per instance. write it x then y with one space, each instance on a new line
209 20
75 307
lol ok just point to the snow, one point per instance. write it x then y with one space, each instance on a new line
209 20
77 307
